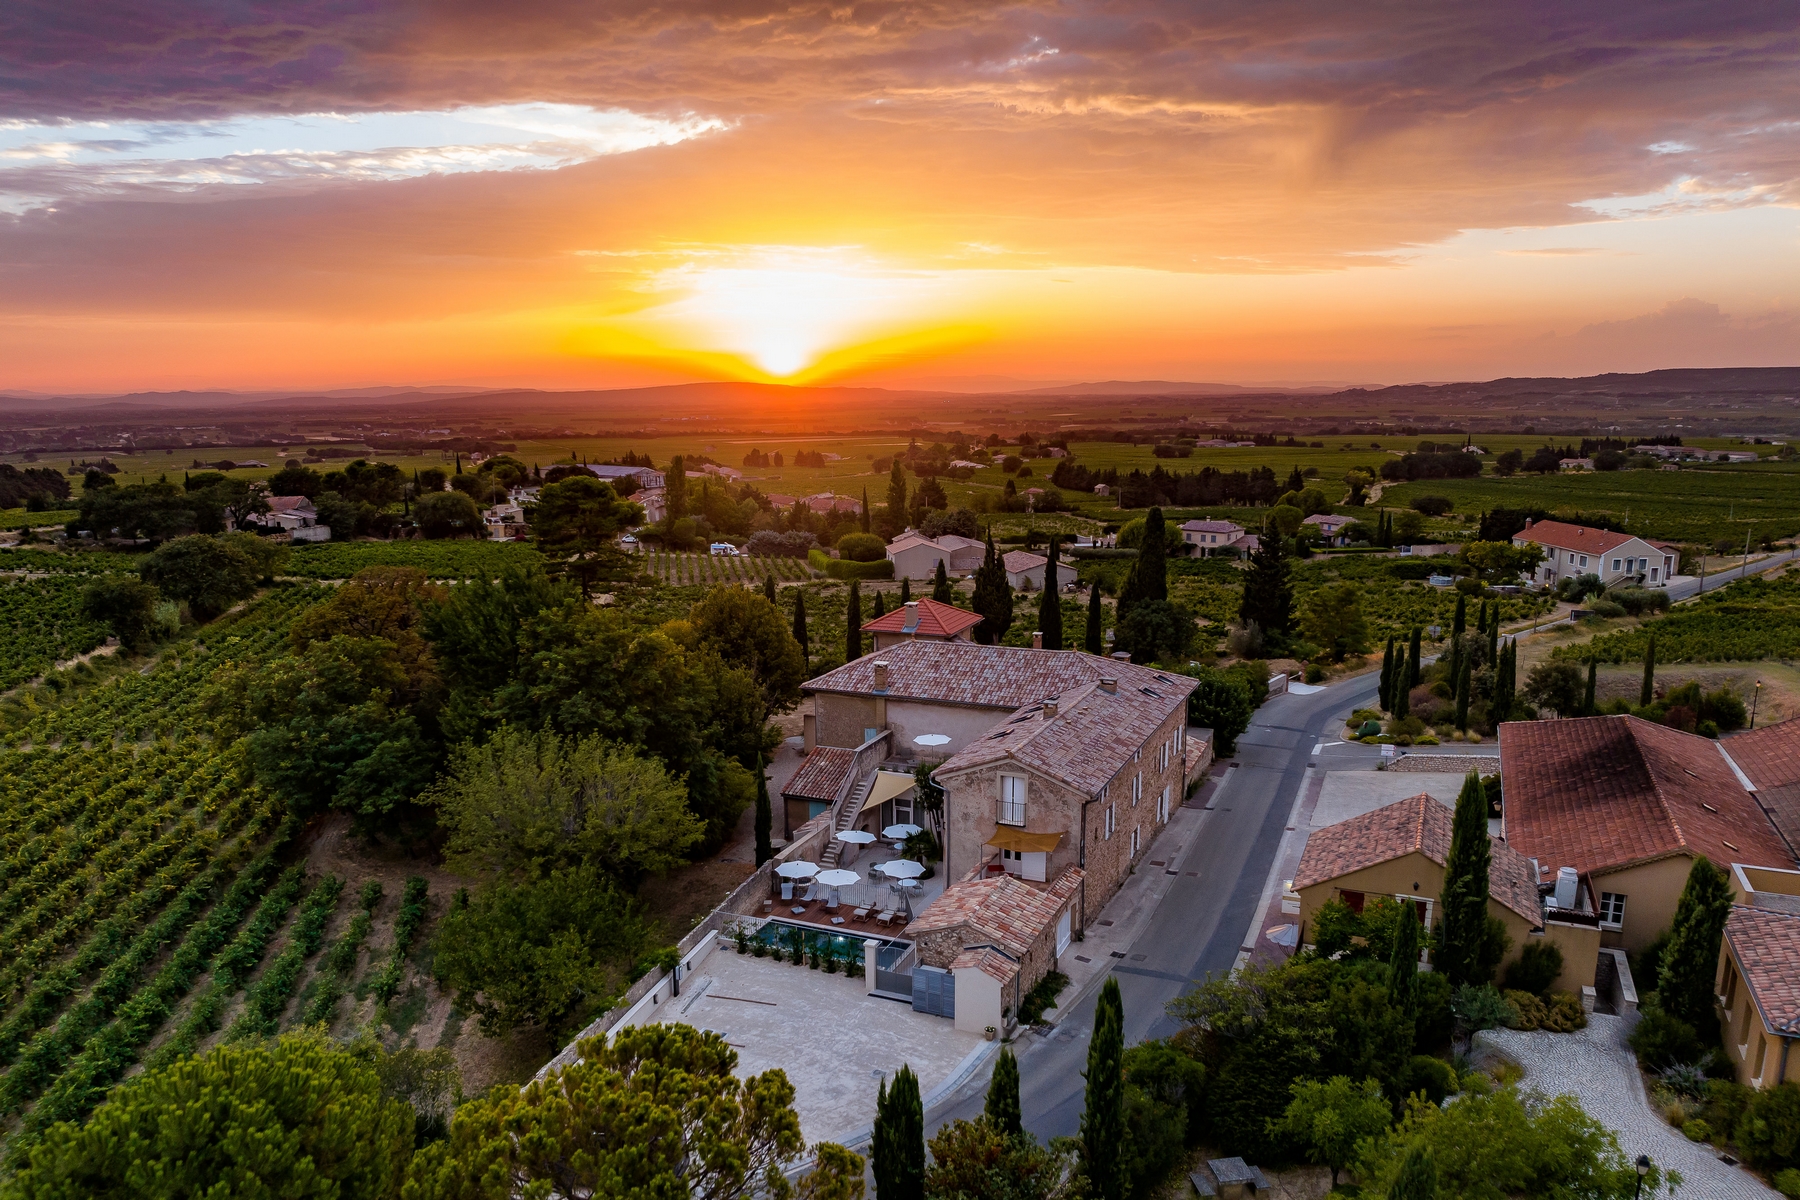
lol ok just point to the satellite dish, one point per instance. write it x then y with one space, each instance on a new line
931 739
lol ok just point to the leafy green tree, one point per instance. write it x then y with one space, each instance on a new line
1691 958
1156 631
853 635
654 1113
1465 896
1103 1129
1050 603
898 1146
447 515
344 516
554 952
940 587
526 802
800 623
993 597
861 547
1556 685
1268 597
1500 563
376 484
747 631
1002 1109
206 573
1222 704
1164 1112
1332 618
577 522
1094 639
1329 1118
126 606
765 848
837 1173
973 1160
157 511
298 479
476 630
293 1117
1417 1178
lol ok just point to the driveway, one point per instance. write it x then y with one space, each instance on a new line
1596 1067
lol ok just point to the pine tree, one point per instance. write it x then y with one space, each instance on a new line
993 597
1465 894
898 1145
906 588
1268 593
1691 958
1647 693
1003 1111
940 587
1462 696
1050 603
1296 481
765 816
1418 1177
863 521
1103 1120
800 621
1416 664
1095 641
1587 699
769 588
1387 677
853 623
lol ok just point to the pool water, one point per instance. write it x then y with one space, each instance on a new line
778 932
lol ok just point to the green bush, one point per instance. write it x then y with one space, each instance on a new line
1605 608
1788 1182
839 568
862 547
1661 1040
1697 1131
1769 1131
1536 968
1432 1076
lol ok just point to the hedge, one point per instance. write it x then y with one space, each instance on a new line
840 568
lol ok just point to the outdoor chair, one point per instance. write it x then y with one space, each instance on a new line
812 892
860 915
885 917
787 889
831 904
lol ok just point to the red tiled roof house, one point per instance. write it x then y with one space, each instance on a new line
1571 550
1758 985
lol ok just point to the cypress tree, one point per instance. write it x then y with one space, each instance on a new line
1504 684
1465 893
675 496
1050 603
1691 958
898 1149
1002 1110
1587 699
993 597
1460 623
1494 636
1416 664
1387 676
765 848
1296 481
1095 641
864 519
1103 1120
940 587
1401 706
1403 967
1268 594
1418 1177
896 494
1647 693
800 620
853 622
769 588
906 588
1462 697
1153 557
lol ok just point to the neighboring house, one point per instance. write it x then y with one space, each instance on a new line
1102 489
655 502
1330 526
1770 759
1571 550
1095 748
1758 984
506 522
1025 571
1398 851
643 477
293 515
824 502
779 501
1629 805
923 619
1575 464
916 556
731 474
963 464
997 937
1209 536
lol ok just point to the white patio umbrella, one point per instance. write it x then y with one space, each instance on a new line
857 837
798 869
900 832
902 868
838 877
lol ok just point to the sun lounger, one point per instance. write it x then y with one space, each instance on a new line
860 915
787 889
885 917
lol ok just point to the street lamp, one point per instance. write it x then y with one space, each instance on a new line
1643 1169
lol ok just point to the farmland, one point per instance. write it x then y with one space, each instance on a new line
700 569
41 623
1748 621
460 559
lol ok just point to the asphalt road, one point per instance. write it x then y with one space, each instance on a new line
1198 926
1689 585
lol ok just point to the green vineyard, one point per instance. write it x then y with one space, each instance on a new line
685 569
42 623
1755 619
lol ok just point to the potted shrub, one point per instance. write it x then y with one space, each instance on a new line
991 1032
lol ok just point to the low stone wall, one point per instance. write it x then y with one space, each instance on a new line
1447 764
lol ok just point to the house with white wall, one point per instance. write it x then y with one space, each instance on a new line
1572 550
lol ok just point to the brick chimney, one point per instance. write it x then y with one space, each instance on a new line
1049 708
1109 685
881 675
1037 639
1121 655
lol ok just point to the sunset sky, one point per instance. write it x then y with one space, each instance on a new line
326 193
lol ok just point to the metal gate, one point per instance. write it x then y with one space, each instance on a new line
934 991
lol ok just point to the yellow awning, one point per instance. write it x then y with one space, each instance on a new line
888 784
1020 842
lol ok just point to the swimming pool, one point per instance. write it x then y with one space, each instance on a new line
778 932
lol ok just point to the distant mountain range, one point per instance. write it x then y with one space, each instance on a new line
1164 387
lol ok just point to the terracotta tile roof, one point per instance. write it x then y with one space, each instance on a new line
1211 527
1770 758
988 961
1006 677
1597 793
926 618
1000 910
1766 945
1020 561
1420 825
1578 538
282 504
822 774
1087 742
1326 521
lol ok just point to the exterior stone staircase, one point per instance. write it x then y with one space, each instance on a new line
848 810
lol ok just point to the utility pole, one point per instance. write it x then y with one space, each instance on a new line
1755 697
